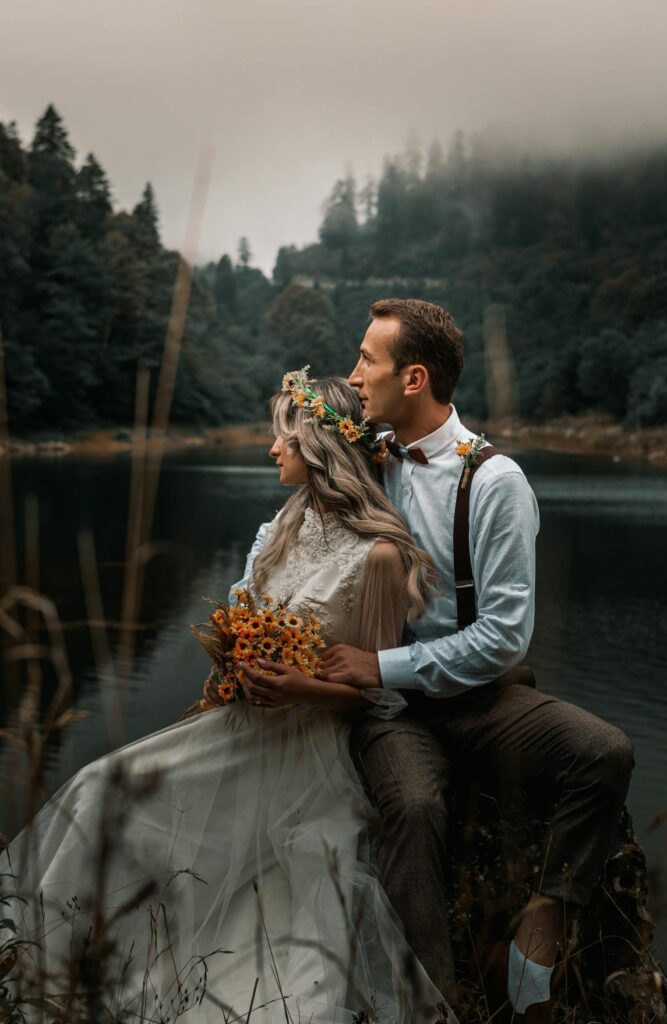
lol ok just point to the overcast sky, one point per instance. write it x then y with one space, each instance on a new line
290 93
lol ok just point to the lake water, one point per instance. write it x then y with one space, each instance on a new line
601 630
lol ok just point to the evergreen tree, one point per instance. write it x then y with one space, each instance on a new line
12 158
283 269
368 200
224 287
93 199
244 253
52 175
339 227
435 163
144 226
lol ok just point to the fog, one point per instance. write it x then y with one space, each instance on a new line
290 95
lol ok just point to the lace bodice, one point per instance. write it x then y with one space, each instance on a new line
323 573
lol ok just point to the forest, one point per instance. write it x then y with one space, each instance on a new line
571 251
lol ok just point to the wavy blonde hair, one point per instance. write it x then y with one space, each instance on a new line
341 479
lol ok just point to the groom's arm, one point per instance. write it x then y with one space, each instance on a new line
503 529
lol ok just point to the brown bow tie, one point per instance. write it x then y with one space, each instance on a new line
399 451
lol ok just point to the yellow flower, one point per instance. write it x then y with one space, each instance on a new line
299 396
463 448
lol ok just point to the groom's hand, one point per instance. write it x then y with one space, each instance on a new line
343 663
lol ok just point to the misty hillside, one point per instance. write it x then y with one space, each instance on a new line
572 254
570 257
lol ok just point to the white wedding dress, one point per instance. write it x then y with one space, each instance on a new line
249 823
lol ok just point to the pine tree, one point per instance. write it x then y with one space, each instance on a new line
145 231
244 253
51 158
224 287
435 163
52 175
93 199
339 227
12 158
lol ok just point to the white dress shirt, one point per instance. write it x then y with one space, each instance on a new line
504 521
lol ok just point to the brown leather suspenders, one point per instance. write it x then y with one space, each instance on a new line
465 584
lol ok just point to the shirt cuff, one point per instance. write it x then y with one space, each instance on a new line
396 669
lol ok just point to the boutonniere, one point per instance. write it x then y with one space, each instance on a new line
468 452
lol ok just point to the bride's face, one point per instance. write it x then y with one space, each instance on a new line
290 463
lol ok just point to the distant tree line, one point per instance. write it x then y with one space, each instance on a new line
85 295
574 252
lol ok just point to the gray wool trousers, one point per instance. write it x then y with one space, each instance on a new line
517 736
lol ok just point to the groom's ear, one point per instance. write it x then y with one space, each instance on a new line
415 379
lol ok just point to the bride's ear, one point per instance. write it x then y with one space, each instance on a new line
415 380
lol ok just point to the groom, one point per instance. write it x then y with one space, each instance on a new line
409 364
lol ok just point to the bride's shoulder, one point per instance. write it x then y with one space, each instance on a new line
385 554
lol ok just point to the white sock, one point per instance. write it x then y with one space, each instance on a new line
527 982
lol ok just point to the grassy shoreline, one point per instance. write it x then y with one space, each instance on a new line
589 434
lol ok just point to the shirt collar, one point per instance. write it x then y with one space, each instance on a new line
440 439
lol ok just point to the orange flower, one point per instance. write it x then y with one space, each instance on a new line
349 430
299 396
227 690
317 406
242 648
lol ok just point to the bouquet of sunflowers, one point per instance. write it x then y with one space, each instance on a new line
252 629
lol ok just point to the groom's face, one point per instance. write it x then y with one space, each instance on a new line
380 387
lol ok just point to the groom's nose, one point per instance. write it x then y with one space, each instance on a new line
355 379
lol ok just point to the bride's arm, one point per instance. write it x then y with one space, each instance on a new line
383 605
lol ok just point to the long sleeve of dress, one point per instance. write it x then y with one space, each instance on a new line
257 546
383 613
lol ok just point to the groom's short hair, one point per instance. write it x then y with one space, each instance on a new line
427 335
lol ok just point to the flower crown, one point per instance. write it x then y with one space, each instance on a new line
296 383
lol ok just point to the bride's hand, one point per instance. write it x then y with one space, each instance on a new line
343 663
280 684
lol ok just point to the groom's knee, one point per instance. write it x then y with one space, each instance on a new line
406 773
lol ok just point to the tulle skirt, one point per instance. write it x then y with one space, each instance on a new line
217 865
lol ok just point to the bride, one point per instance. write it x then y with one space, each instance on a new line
218 870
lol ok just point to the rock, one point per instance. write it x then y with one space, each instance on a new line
611 975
